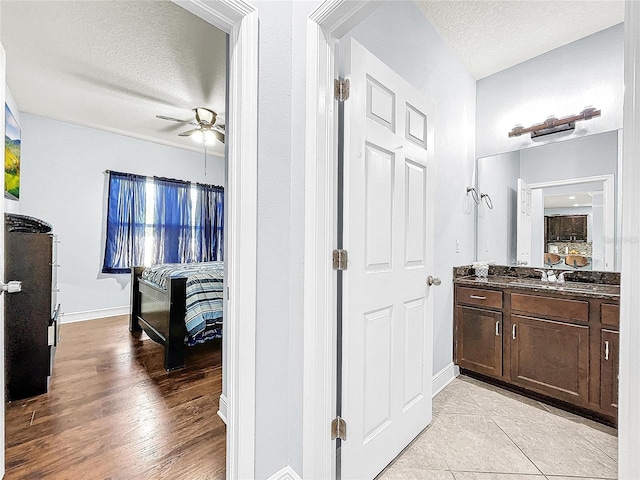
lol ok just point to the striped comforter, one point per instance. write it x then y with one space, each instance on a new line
204 291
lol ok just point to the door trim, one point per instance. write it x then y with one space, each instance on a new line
328 23
629 387
239 19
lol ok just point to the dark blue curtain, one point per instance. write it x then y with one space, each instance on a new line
209 223
172 235
125 223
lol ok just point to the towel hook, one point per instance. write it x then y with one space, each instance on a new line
487 200
474 194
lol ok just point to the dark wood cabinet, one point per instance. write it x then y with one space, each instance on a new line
31 316
554 345
551 358
609 371
479 340
566 228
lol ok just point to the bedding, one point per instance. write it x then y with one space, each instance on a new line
204 292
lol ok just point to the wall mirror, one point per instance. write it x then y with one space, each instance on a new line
555 205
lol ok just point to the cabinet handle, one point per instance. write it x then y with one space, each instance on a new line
497 327
477 297
606 350
513 331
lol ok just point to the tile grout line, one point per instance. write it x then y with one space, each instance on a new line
518 447
600 449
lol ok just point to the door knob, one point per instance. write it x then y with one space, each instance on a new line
435 281
10 287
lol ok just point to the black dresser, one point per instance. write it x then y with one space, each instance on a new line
31 316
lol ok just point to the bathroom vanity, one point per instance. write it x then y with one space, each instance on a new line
558 342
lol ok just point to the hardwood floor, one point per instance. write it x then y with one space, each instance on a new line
113 412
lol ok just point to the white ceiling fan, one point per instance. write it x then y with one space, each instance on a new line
206 128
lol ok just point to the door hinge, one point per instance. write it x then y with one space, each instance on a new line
338 429
339 259
341 89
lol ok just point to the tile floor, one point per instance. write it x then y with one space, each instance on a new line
482 432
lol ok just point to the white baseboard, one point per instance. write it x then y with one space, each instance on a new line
286 473
93 314
444 377
222 408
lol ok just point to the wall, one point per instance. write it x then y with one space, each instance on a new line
63 182
561 82
412 48
273 336
585 157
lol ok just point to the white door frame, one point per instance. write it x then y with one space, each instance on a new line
629 391
330 21
239 19
608 187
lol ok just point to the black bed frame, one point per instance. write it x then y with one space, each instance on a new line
160 313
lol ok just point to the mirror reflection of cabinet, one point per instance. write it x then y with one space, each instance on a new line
566 228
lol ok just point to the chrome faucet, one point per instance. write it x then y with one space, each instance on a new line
543 275
551 276
561 278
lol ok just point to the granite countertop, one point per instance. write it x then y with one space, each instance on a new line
575 289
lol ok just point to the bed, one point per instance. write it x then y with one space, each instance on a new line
177 305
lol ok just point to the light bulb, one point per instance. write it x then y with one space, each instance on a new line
209 137
198 136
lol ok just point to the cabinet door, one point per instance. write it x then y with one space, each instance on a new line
609 370
479 340
551 358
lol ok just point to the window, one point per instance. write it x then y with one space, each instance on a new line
159 220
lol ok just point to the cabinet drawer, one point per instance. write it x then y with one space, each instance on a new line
555 307
479 296
610 314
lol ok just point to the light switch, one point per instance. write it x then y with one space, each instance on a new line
457 246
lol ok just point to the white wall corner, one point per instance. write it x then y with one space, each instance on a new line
222 408
93 314
286 473
444 377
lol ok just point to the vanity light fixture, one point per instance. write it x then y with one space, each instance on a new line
554 125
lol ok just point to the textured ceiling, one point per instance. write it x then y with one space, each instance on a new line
114 65
490 36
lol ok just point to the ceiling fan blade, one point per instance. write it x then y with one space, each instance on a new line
188 133
219 135
163 117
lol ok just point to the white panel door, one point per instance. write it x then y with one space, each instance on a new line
523 224
388 232
538 247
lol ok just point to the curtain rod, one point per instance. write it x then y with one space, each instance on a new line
550 123
168 179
